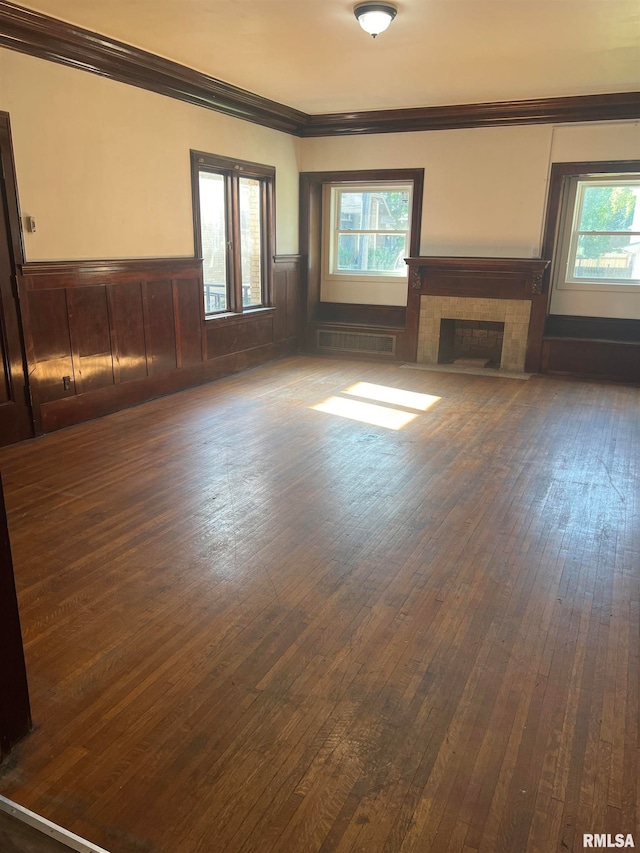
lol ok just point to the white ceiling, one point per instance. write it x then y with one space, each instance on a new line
312 55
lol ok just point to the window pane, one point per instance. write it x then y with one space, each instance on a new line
214 241
372 253
375 211
606 208
250 242
605 257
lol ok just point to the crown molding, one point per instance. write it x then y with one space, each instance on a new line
42 36
606 107
48 38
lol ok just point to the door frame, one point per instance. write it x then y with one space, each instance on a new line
16 253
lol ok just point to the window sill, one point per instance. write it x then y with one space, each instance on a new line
602 286
227 318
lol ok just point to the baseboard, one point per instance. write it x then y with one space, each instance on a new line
33 832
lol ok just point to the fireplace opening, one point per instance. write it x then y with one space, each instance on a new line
471 342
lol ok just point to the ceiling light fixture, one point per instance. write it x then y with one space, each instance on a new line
374 18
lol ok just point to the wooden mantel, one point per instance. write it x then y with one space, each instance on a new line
491 278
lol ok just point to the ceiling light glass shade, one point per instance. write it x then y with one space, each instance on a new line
374 18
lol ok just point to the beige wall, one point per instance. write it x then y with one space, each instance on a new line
486 189
104 167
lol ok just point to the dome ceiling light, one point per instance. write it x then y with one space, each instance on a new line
374 18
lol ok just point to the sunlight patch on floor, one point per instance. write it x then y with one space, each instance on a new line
395 396
373 413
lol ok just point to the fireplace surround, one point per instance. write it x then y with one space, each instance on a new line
514 313
505 290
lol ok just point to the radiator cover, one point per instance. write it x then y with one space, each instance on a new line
328 340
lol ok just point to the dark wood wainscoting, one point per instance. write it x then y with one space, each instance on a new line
287 300
103 335
385 316
592 347
361 331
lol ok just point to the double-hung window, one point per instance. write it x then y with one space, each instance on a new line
369 232
600 233
233 219
367 228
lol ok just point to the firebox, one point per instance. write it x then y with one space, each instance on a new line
471 341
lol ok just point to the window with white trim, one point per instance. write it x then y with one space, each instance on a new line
600 233
369 227
366 237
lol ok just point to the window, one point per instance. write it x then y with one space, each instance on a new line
368 229
370 222
233 223
600 233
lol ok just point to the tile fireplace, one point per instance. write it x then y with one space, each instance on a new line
510 291
514 313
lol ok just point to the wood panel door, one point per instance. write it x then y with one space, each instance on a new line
15 410
15 712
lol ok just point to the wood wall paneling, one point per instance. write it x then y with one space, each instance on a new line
591 359
361 319
105 324
593 328
286 299
126 321
127 331
245 332
280 301
378 316
310 205
88 316
293 308
4 383
159 326
188 313
592 347
48 344
62 413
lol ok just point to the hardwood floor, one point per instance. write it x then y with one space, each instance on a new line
252 626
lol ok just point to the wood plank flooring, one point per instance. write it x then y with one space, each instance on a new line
252 626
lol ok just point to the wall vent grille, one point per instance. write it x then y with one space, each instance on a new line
329 341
